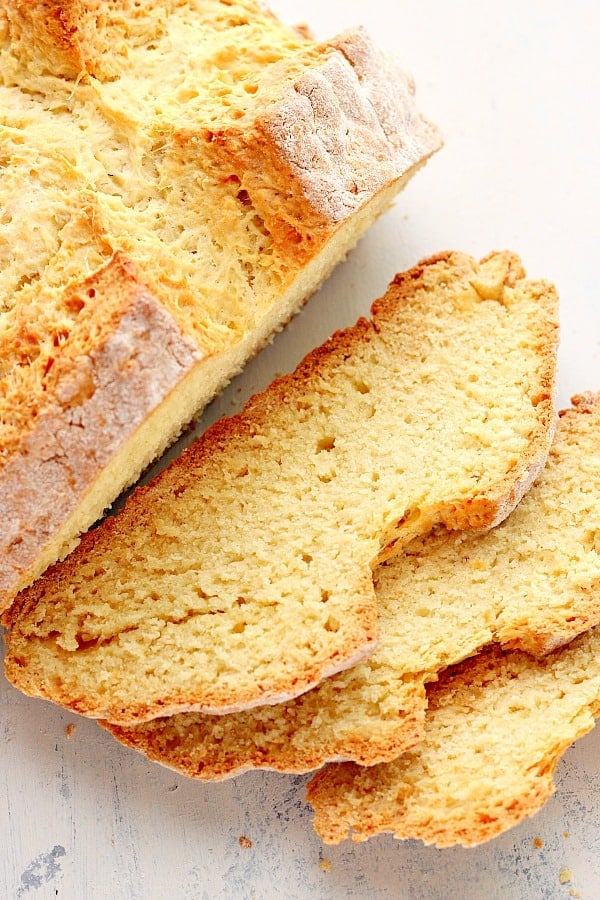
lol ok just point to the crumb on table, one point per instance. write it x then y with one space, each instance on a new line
564 876
245 842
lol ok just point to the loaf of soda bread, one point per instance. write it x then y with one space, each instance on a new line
533 582
177 178
495 729
243 574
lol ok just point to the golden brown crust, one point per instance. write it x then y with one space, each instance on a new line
212 748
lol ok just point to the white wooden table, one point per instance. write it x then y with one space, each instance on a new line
515 87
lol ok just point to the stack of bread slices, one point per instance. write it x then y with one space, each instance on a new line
387 566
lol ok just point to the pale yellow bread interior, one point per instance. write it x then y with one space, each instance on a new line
243 574
496 727
533 583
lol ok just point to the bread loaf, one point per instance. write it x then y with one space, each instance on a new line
177 178
242 575
533 582
496 727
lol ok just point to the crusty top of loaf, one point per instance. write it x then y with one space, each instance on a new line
71 38
204 150
534 581
495 729
219 168
263 534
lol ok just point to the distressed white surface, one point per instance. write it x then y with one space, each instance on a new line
515 86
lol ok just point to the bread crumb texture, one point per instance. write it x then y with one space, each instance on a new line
243 574
532 582
198 154
495 728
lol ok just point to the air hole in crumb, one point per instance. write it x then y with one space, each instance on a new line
307 558
326 443
361 387
87 643
60 337
332 624
325 595
75 304
327 477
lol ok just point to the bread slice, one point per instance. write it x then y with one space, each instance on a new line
177 178
533 582
242 575
496 727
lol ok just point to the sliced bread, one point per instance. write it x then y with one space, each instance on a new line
177 178
496 727
242 575
533 582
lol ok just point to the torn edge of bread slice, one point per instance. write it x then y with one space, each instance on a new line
533 582
243 574
210 176
495 729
